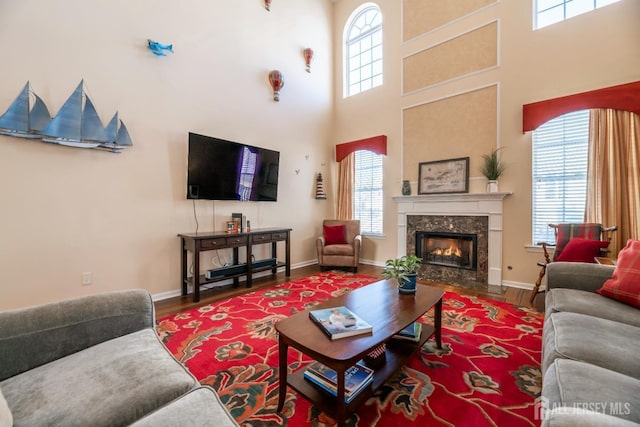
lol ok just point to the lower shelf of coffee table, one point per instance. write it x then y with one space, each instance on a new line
396 354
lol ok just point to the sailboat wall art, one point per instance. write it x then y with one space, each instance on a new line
117 135
22 119
77 123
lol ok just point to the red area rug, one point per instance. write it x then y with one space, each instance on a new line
486 374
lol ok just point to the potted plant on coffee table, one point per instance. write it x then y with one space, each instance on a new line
404 271
492 168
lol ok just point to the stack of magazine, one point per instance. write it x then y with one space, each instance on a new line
410 333
356 379
340 322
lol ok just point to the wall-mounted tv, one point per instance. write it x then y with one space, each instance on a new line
224 170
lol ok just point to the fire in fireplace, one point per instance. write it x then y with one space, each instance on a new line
457 250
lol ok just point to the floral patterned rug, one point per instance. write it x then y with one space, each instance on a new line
486 374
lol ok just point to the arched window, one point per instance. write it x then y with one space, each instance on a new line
363 50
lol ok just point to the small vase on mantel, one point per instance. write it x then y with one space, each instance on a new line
492 169
406 188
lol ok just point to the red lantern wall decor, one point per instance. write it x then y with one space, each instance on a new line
308 56
276 80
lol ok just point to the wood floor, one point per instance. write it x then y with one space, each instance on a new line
177 304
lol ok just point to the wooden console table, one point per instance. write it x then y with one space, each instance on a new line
201 242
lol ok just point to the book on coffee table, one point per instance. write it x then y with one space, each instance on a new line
339 322
356 378
410 333
348 397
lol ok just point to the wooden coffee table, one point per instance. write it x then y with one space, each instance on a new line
387 311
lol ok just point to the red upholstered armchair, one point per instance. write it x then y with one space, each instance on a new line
575 242
339 245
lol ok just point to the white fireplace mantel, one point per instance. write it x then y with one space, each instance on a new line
460 204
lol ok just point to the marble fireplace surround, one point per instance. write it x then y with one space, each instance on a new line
488 205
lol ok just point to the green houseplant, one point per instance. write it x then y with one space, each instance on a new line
492 169
404 271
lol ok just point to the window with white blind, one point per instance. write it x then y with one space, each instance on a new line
559 173
363 50
547 12
367 197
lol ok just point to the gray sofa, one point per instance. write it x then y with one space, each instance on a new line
590 351
97 361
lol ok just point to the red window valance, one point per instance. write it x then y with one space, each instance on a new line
624 97
377 144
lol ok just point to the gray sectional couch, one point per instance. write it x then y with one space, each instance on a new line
97 361
591 351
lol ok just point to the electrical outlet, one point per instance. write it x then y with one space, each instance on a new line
87 278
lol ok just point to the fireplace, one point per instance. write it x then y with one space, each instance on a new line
458 250
466 213
453 248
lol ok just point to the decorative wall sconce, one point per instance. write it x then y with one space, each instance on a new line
267 4
276 80
308 57
320 194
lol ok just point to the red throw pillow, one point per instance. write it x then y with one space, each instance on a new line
335 235
624 284
582 250
568 231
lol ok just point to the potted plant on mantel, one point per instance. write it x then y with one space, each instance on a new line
492 168
404 271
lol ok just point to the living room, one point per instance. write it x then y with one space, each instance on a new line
117 217
80 222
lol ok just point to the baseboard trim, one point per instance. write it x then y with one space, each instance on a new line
518 285
178 292
374 263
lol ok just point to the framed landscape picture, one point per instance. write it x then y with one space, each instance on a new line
444 176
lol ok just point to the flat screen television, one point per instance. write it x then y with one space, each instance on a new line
225 170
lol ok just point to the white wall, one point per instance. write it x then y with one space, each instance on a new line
66 210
